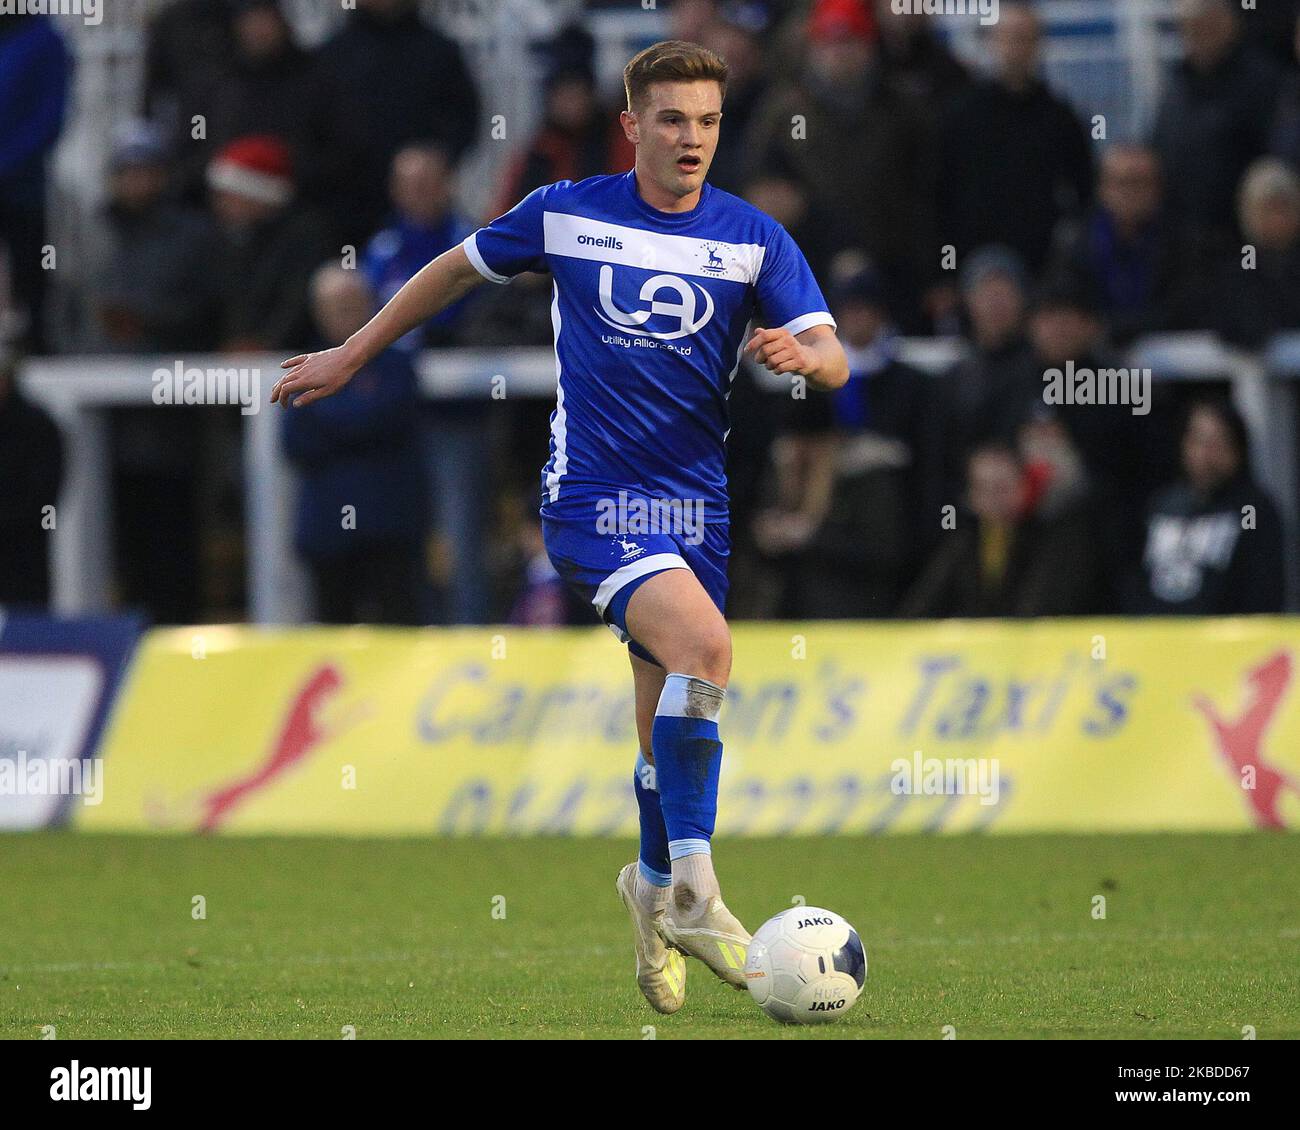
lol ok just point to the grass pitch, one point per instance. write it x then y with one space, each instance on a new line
303 938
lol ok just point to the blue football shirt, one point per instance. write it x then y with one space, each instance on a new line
649 310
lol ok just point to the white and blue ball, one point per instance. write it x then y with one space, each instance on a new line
806 966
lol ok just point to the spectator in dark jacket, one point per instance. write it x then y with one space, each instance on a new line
915 60
361 509
1284 137
31 469
1215 116
1127 247
1014 158
1125 452
853 467
994 298
1001 558
270 86
188 53
35 72
579 135
1255 294
739 35
149 286
392 80
1214 538
578 138
269 247
859 148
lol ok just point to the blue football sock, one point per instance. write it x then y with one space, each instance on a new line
654 866
688 758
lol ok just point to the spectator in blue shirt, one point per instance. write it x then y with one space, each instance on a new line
361 509
424 224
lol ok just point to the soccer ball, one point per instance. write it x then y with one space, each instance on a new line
806 966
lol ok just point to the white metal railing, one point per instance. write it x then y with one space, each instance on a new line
78 390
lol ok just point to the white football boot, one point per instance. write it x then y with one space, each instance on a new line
714 936
660 971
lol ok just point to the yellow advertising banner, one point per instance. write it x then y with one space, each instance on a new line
1080 725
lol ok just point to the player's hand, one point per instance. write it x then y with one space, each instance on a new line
313 376
782 352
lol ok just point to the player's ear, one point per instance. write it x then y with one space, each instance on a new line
630 130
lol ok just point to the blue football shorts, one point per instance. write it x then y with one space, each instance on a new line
607 568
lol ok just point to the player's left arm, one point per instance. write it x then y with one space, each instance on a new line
815 353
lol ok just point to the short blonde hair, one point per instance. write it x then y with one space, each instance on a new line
673 60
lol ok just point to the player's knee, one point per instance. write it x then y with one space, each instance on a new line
708 655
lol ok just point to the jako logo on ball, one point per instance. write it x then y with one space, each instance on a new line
806 966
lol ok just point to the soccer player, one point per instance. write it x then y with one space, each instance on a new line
656 277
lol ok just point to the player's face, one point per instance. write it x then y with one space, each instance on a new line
676 134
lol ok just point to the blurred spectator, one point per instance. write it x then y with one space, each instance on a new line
514 316
993 290
738 35
1215 116
424 224
31 469
1003 558
690 19
35 74
269 246
1014 158
916 60
272 86
578 137
787 202
851 468
188 51
1269 26
858 148
1214 538
1056 481
149 286
1125 454
1284 138
392 80
1127 247
1248 302
361 508
543 599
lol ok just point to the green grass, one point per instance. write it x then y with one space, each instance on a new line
993 935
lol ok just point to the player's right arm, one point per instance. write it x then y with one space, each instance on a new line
311 376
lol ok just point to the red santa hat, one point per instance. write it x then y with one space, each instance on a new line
257 167
841 19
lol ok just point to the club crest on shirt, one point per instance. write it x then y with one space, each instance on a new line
713 263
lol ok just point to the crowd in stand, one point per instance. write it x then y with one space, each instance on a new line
930 199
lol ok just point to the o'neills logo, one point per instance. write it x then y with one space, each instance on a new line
601 241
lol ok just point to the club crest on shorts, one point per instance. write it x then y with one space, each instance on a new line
631 551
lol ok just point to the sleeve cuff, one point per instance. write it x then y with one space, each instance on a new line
807 321
472 252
